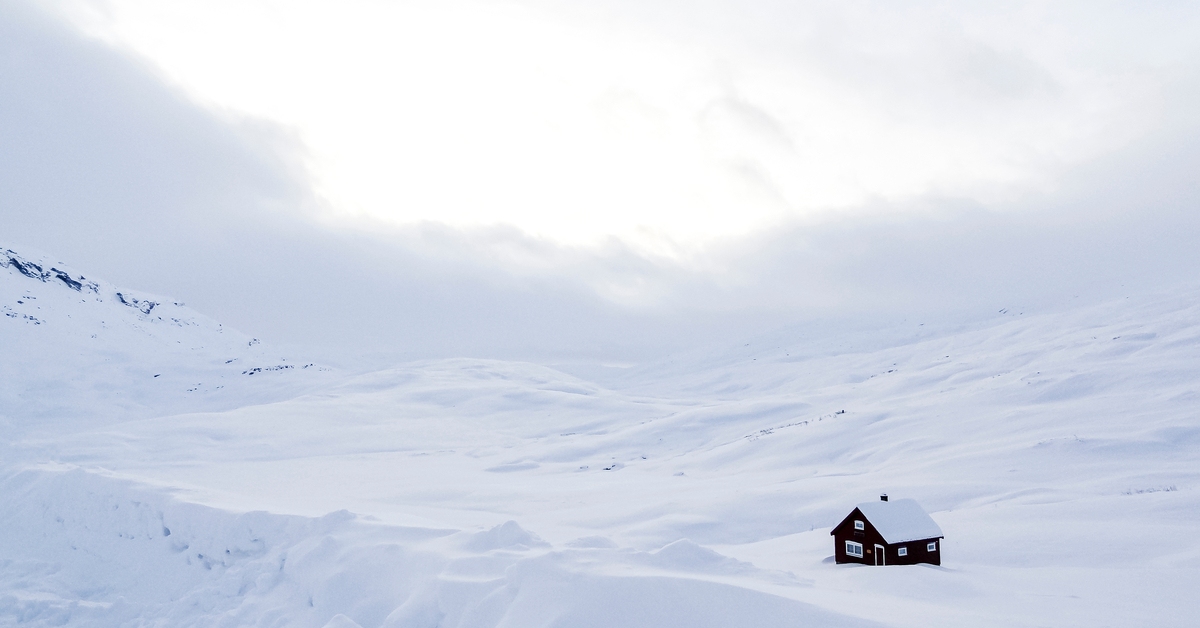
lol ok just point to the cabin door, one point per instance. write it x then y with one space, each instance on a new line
880 557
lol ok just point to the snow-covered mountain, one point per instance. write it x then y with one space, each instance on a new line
1058 452
79 350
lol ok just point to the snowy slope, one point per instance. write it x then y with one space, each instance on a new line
79 350
1058 452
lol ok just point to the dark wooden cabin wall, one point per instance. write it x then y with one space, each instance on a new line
869 537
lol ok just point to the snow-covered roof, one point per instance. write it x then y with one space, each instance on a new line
900 520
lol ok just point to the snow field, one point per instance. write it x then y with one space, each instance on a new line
1058 452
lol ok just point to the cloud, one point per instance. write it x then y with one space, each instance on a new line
111 167
662 121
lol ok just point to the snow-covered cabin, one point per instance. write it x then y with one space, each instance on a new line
897 532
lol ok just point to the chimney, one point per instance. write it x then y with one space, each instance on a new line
883 498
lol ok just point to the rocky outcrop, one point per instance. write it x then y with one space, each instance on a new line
34 270
145 306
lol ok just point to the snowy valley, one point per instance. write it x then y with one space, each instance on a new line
163 470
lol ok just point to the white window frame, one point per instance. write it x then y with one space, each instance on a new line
931 547
858 525
854 549
902 551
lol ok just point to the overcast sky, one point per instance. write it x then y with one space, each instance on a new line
600 180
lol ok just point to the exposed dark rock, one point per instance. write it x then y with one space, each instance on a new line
143 305
65 278
27 268
34 270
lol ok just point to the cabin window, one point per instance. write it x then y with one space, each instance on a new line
932 547
854 549
858 525
903 551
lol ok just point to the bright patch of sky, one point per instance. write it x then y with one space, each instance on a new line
664 124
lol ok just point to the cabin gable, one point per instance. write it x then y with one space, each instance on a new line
854 545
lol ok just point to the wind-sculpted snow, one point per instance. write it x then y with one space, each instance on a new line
88 550
1059 453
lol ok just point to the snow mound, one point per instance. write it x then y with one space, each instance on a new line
592 542
508 536
341 621
684 555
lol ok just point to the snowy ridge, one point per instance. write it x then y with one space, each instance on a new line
79 349
34 270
